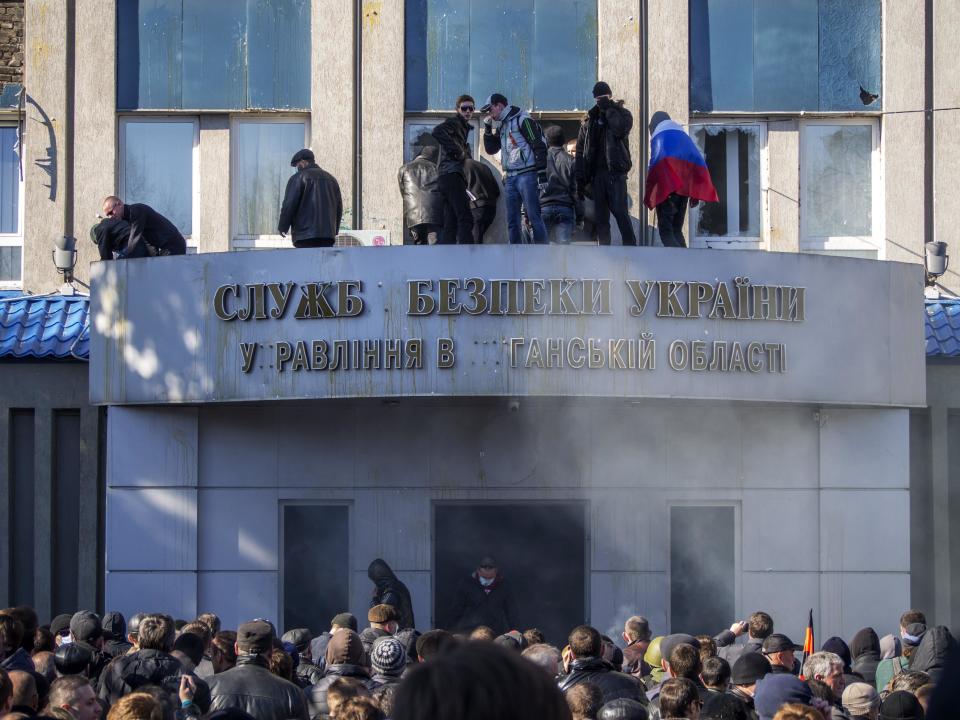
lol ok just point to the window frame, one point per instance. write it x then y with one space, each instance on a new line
839 243
257 242
736 242
15 239
127 118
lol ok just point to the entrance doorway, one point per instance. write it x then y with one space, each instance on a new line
540 550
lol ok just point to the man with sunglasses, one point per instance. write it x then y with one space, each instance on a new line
484 599
147 226
452 135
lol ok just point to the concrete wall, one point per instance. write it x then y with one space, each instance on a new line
946 101
202 501
45 388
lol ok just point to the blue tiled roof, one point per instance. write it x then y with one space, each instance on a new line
44 326
943 328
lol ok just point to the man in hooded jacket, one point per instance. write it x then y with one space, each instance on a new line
865 652
344 659
390 590
484 599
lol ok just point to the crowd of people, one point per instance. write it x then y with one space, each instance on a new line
450 198
152 667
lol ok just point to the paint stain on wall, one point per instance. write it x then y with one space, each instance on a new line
372 14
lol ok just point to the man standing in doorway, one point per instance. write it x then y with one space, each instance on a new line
452 136
312 205
603 161
484 599
523 157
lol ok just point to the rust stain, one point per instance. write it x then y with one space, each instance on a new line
372 14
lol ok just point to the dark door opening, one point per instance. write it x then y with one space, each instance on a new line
702 568
316 574
540 549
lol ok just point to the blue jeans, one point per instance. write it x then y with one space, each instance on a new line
523 189
559 220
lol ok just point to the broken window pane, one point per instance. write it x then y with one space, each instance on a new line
733 158
213 54
261 170
157 168
541 54
788 55
837 181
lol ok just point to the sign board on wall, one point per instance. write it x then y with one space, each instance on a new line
507 320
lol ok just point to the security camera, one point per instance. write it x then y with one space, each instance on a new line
513 405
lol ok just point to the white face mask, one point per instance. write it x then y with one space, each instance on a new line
486 581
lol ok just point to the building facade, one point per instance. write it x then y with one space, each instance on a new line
817 144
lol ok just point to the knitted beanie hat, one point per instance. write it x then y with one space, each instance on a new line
388 656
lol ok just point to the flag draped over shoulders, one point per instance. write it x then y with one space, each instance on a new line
676 166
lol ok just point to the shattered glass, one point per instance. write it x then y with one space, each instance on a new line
837 181
732 153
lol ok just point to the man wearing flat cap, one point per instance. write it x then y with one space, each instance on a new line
779 651
484 598
383 623
250 686
312 206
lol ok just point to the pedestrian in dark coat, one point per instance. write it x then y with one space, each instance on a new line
388 659
865 651
484 598
312 205
603 161
147 226
344 659
115 635
452 135
390 590
422 199
483 191
250 686
560 204
588 666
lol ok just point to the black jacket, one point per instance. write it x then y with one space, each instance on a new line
474 605
561 187
933 651
614 685
155 229
368 636
481 184
312 205
451 135
422 200
381 679
317 695
148 667
390 590
251 687
116 648
307 674
113 236
603 141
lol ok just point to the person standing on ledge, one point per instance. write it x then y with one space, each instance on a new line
677 174
150 233
312 204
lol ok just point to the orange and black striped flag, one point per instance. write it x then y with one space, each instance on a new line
808 648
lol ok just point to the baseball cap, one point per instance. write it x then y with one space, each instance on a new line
778 642
494 99
85 626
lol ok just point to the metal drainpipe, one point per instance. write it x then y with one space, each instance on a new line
69 113
357 115
928 136
645 237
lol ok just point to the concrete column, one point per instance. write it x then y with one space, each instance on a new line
45 157
214 230
783 195
902 131
332 92
940 512
620 64
5 509
946 94
88 550
43 511
668 79
382 85
95 121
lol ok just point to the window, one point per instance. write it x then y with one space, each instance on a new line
159 166
839 171
11 210
733 154
260 168
788 55
541 54
213 54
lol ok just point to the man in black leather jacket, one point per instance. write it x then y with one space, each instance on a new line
250 686
422 200
452 135
588 666
312 204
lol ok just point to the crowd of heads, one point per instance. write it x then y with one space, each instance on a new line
152 667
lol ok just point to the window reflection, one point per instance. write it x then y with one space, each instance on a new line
837 180
261 162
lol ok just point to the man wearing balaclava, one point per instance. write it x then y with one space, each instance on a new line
603 161
484 599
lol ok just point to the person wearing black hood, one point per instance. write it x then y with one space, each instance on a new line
452 135
390 590
839 647
586 646
114 628
344 658
603 161
115 240
865 653
312 205
932 653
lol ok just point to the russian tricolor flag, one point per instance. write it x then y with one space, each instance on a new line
676 166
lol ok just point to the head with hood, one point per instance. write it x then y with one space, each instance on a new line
889 647
345 648
114 627
865 641
658 117
837 646
379 572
